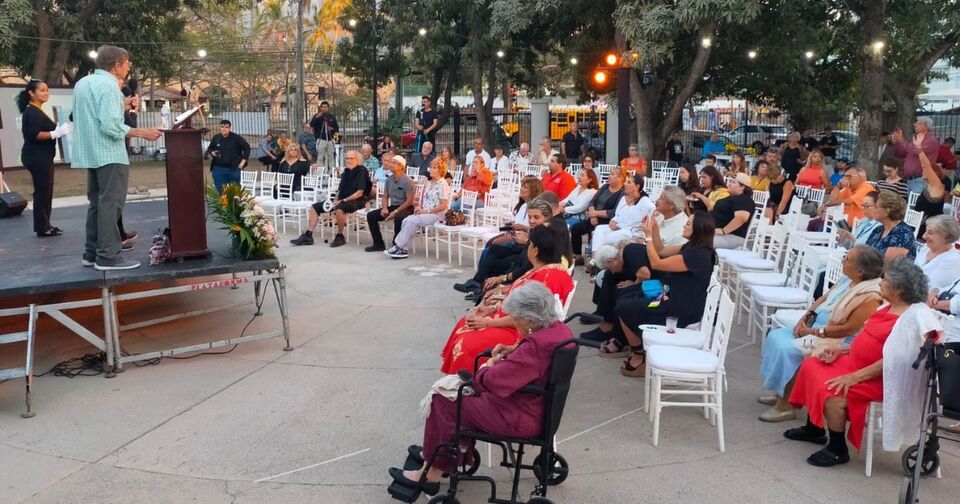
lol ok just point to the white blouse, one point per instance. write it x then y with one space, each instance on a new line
578 200
942 270
671 230
521 216
629 216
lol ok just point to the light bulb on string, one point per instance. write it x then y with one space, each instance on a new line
706 42
500 53
808 55
352 22
422 31
752 54
574 61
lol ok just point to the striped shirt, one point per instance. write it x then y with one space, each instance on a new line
98 127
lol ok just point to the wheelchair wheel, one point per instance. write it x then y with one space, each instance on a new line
444 499
931 461
473 468
539 500
907 492
559 469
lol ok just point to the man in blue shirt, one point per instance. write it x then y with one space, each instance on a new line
99 146
712 146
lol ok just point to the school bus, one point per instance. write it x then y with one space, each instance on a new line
592 122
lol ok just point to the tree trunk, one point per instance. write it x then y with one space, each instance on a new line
44 34
484 116
646 119
906 110
61 58
871 89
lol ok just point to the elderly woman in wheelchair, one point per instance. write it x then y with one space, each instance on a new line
500 405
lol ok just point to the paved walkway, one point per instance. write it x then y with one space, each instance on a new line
322 423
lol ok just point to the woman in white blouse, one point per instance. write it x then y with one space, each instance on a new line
938 258
432 206
576 203
634 206
500 162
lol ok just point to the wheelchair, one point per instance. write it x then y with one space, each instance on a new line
941 402
549 467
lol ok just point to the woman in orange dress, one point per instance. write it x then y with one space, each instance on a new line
838 385
814 174
487 326
634 161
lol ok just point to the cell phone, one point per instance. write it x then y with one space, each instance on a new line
506 228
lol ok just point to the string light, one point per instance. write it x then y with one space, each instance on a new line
878 46
500 53
808 55
574 61
752 54
202 53
422 31
611 59
352 22
706 42
92 54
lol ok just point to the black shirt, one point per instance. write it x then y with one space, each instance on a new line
298 169
790 161
423 162
724 209
929 207
353 180
232 148
809 143
36 151
828 145
688 289
675 151
324 126
426 120
606 200
571 144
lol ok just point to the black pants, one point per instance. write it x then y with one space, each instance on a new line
42 174
497 260
577 232
374 219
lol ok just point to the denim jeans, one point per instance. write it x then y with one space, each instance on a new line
223 176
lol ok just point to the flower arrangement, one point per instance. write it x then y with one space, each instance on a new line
251 232
730 148
751 151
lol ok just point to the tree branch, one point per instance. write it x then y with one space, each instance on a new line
689 86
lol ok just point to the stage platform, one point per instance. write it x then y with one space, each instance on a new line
35 268
32 265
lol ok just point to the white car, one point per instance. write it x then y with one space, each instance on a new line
757 133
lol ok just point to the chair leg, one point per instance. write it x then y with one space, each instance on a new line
718 397
646 389
656 408
868 468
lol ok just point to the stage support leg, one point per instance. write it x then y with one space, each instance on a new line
110 358
235 286
31 338
115 331
257 291
282 301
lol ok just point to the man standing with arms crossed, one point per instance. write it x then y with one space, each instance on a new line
99 147
325 127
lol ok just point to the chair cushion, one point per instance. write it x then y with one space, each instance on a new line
788 318
762 278
814 236
787 295
476 232
682 337
681 359
726 254
752 263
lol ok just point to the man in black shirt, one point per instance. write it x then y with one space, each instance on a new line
808 141
733 214
572 142
352 195
675 148
229 153
326 130
427 123
423 158
829 143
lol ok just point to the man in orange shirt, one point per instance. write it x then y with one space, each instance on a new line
851 191
557 180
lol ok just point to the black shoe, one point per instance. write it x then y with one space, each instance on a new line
338 241
804 434
826 458
596 335
50 232
468 286
471 296
427 488
375 248
304 239
133 235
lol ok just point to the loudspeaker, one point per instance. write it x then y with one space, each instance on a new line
11 204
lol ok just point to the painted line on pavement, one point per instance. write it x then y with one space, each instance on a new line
341 457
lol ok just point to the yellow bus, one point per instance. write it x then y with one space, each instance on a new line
592 122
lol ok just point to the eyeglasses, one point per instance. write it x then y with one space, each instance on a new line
867 205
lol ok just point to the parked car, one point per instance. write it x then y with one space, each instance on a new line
848 143
750 133
408 138
693 141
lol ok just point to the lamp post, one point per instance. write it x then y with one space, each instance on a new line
373 72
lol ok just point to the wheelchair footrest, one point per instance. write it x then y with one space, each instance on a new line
403 493
414 458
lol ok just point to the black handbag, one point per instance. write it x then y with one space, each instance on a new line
948 376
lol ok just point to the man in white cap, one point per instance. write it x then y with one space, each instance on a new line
733 214
396 203
923 140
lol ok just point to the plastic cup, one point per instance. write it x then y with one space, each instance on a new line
671 325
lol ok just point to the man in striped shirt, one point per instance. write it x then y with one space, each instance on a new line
99 146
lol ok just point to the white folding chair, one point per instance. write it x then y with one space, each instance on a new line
273 207
450 234
683 371
248 180
912 199
797 294
913 219
789 317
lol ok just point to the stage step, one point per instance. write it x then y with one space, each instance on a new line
14 337
12 373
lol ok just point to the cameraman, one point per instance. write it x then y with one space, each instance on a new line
229 152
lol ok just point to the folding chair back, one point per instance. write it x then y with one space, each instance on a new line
248 180
913 219
723 328
267 181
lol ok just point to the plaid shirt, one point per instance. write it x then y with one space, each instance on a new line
98 127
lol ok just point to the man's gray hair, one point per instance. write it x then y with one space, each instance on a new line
425 144
676 197
606 253
946 225
108 57
534 303
926 120
868 260
907 279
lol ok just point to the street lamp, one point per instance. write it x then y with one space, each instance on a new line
92 54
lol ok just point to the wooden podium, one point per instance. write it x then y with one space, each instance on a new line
186 206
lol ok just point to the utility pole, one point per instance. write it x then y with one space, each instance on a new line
300 100
373 71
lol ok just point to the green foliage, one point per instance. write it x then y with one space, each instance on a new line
251 233
14 14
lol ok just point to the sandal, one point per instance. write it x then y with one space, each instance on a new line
826 458
638 371
805 434
50 232
611 348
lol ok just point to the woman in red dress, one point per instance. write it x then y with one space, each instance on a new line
838 384
815 173
487 326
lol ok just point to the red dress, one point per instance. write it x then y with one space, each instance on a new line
639 166
810 176
810 389
464 343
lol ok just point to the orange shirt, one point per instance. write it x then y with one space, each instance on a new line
854 210
562 184
639 166
480 181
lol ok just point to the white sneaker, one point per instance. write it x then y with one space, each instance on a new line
390 251
399 254
121 264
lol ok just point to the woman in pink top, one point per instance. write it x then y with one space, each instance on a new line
815 173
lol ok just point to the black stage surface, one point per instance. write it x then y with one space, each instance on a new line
31 265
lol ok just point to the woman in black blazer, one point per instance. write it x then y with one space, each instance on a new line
40 134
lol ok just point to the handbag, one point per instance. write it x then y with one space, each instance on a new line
651 288
809 207
454 218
